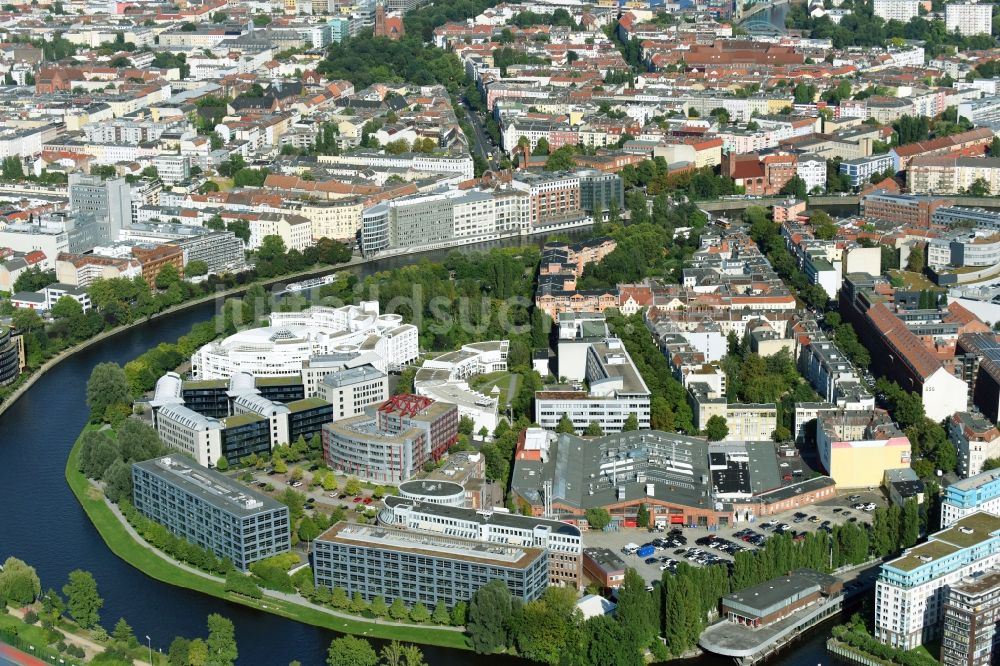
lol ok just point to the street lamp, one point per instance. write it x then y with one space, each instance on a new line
150 642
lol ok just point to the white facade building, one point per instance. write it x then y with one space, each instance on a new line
445 378
812 170
296 337
977 493
969 18
899 10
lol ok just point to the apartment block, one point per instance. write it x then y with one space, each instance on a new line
975 440
210 510
976 493
912 589
970 635
968 18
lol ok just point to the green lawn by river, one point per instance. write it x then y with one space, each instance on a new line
124 546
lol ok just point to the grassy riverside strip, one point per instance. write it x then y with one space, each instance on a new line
141 557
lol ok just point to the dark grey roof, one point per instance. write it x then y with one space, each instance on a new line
209 486
607 559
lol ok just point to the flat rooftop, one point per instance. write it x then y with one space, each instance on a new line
606 558
965 533
485 517
396 540
209 486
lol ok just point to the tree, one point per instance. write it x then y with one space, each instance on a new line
195 268
631 423
419 613
458 614
66 308
910 531
716 428
97 453
167 276
221 641
636 609
916 261
440 615
107 386
489 612
122 633
118 482
378 607
52 605
541 147
608 643
979 188
26 320
197 653
353 486
19 583
598 518
593 429
351 651
398 609
565 425
795 187
82 599
642 516
177 655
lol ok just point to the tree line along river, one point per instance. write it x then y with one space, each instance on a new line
42 523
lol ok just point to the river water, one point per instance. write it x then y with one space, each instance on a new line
42 523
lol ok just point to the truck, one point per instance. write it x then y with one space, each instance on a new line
630 548
645 551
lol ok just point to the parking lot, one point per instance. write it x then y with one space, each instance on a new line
667 554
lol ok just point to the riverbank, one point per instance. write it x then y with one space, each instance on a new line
37 374
115 533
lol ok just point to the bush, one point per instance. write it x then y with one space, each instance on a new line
31 617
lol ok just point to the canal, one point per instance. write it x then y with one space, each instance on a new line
42 523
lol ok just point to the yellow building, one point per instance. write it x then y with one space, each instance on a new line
856 457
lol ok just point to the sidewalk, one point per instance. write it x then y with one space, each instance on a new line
88 645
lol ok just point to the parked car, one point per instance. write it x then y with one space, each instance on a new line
651 560
357 499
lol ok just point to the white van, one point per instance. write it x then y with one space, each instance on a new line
630 548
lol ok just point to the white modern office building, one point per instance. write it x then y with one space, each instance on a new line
616 391
293 338
912 589
445 378
563 541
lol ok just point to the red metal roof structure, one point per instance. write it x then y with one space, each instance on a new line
406 403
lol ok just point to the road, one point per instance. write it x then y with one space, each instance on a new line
480 139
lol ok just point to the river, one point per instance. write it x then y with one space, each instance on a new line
42 523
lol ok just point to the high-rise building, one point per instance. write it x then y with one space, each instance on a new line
10 356
969 18
971 616
911 589
898 10
108 202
